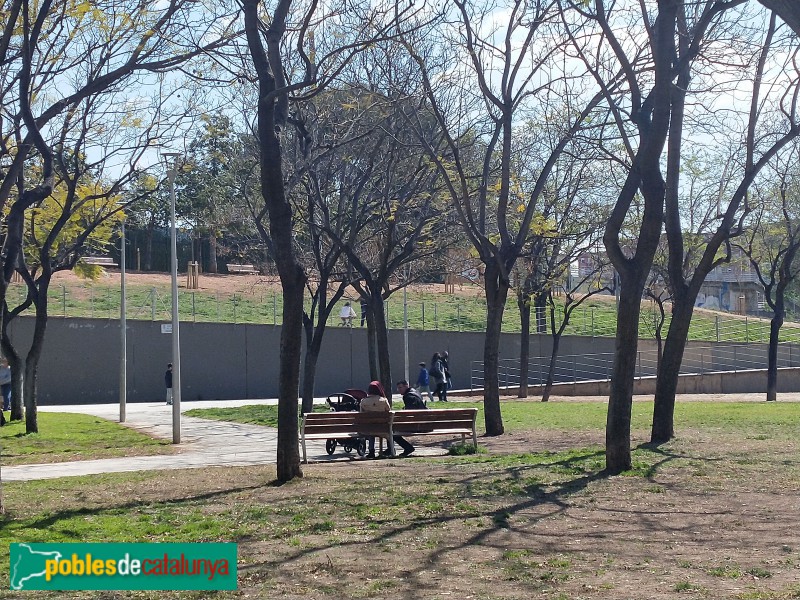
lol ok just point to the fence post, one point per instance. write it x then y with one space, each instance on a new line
716 323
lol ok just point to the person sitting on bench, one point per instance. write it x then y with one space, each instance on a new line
347 314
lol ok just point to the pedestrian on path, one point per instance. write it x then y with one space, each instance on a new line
5 383
446 365
438 377
168 382
424 382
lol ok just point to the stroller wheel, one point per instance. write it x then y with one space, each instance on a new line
361 447
330 446
348 448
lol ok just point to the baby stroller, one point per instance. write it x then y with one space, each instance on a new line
347 401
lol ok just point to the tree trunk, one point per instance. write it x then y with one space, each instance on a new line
272 111
551 371
212 252
372 347
618 422
288 462
772 352
381 341
669 367
496 294
313 346
32 360
524 303
148 249
17 390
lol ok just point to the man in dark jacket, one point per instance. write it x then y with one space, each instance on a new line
412 400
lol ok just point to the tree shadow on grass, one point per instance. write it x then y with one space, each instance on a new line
8 520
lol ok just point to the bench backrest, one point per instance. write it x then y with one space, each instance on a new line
402 421
347 422
410 421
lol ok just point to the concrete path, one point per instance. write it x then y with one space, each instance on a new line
203 442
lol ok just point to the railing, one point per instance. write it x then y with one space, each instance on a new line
575 368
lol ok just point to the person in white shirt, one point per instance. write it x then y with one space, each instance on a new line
347 314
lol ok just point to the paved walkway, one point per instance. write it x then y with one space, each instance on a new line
203 442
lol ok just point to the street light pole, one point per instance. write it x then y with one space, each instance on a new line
172 166
123 362
405 324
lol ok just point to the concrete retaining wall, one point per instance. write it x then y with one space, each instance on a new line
752 381
80 361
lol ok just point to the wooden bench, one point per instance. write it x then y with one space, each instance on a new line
337 425
241 269
439 421
103 261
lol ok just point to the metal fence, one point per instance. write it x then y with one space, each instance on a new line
574 368
433 312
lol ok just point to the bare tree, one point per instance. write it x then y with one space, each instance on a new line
286 64
772 242
771 123
477 101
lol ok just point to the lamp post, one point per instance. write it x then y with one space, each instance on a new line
123 326
405 324
171 159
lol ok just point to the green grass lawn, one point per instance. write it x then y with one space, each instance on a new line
65 436
525 524
751 418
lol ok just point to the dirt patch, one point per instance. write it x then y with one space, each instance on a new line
709 515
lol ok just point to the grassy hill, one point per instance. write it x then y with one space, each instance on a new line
255 299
